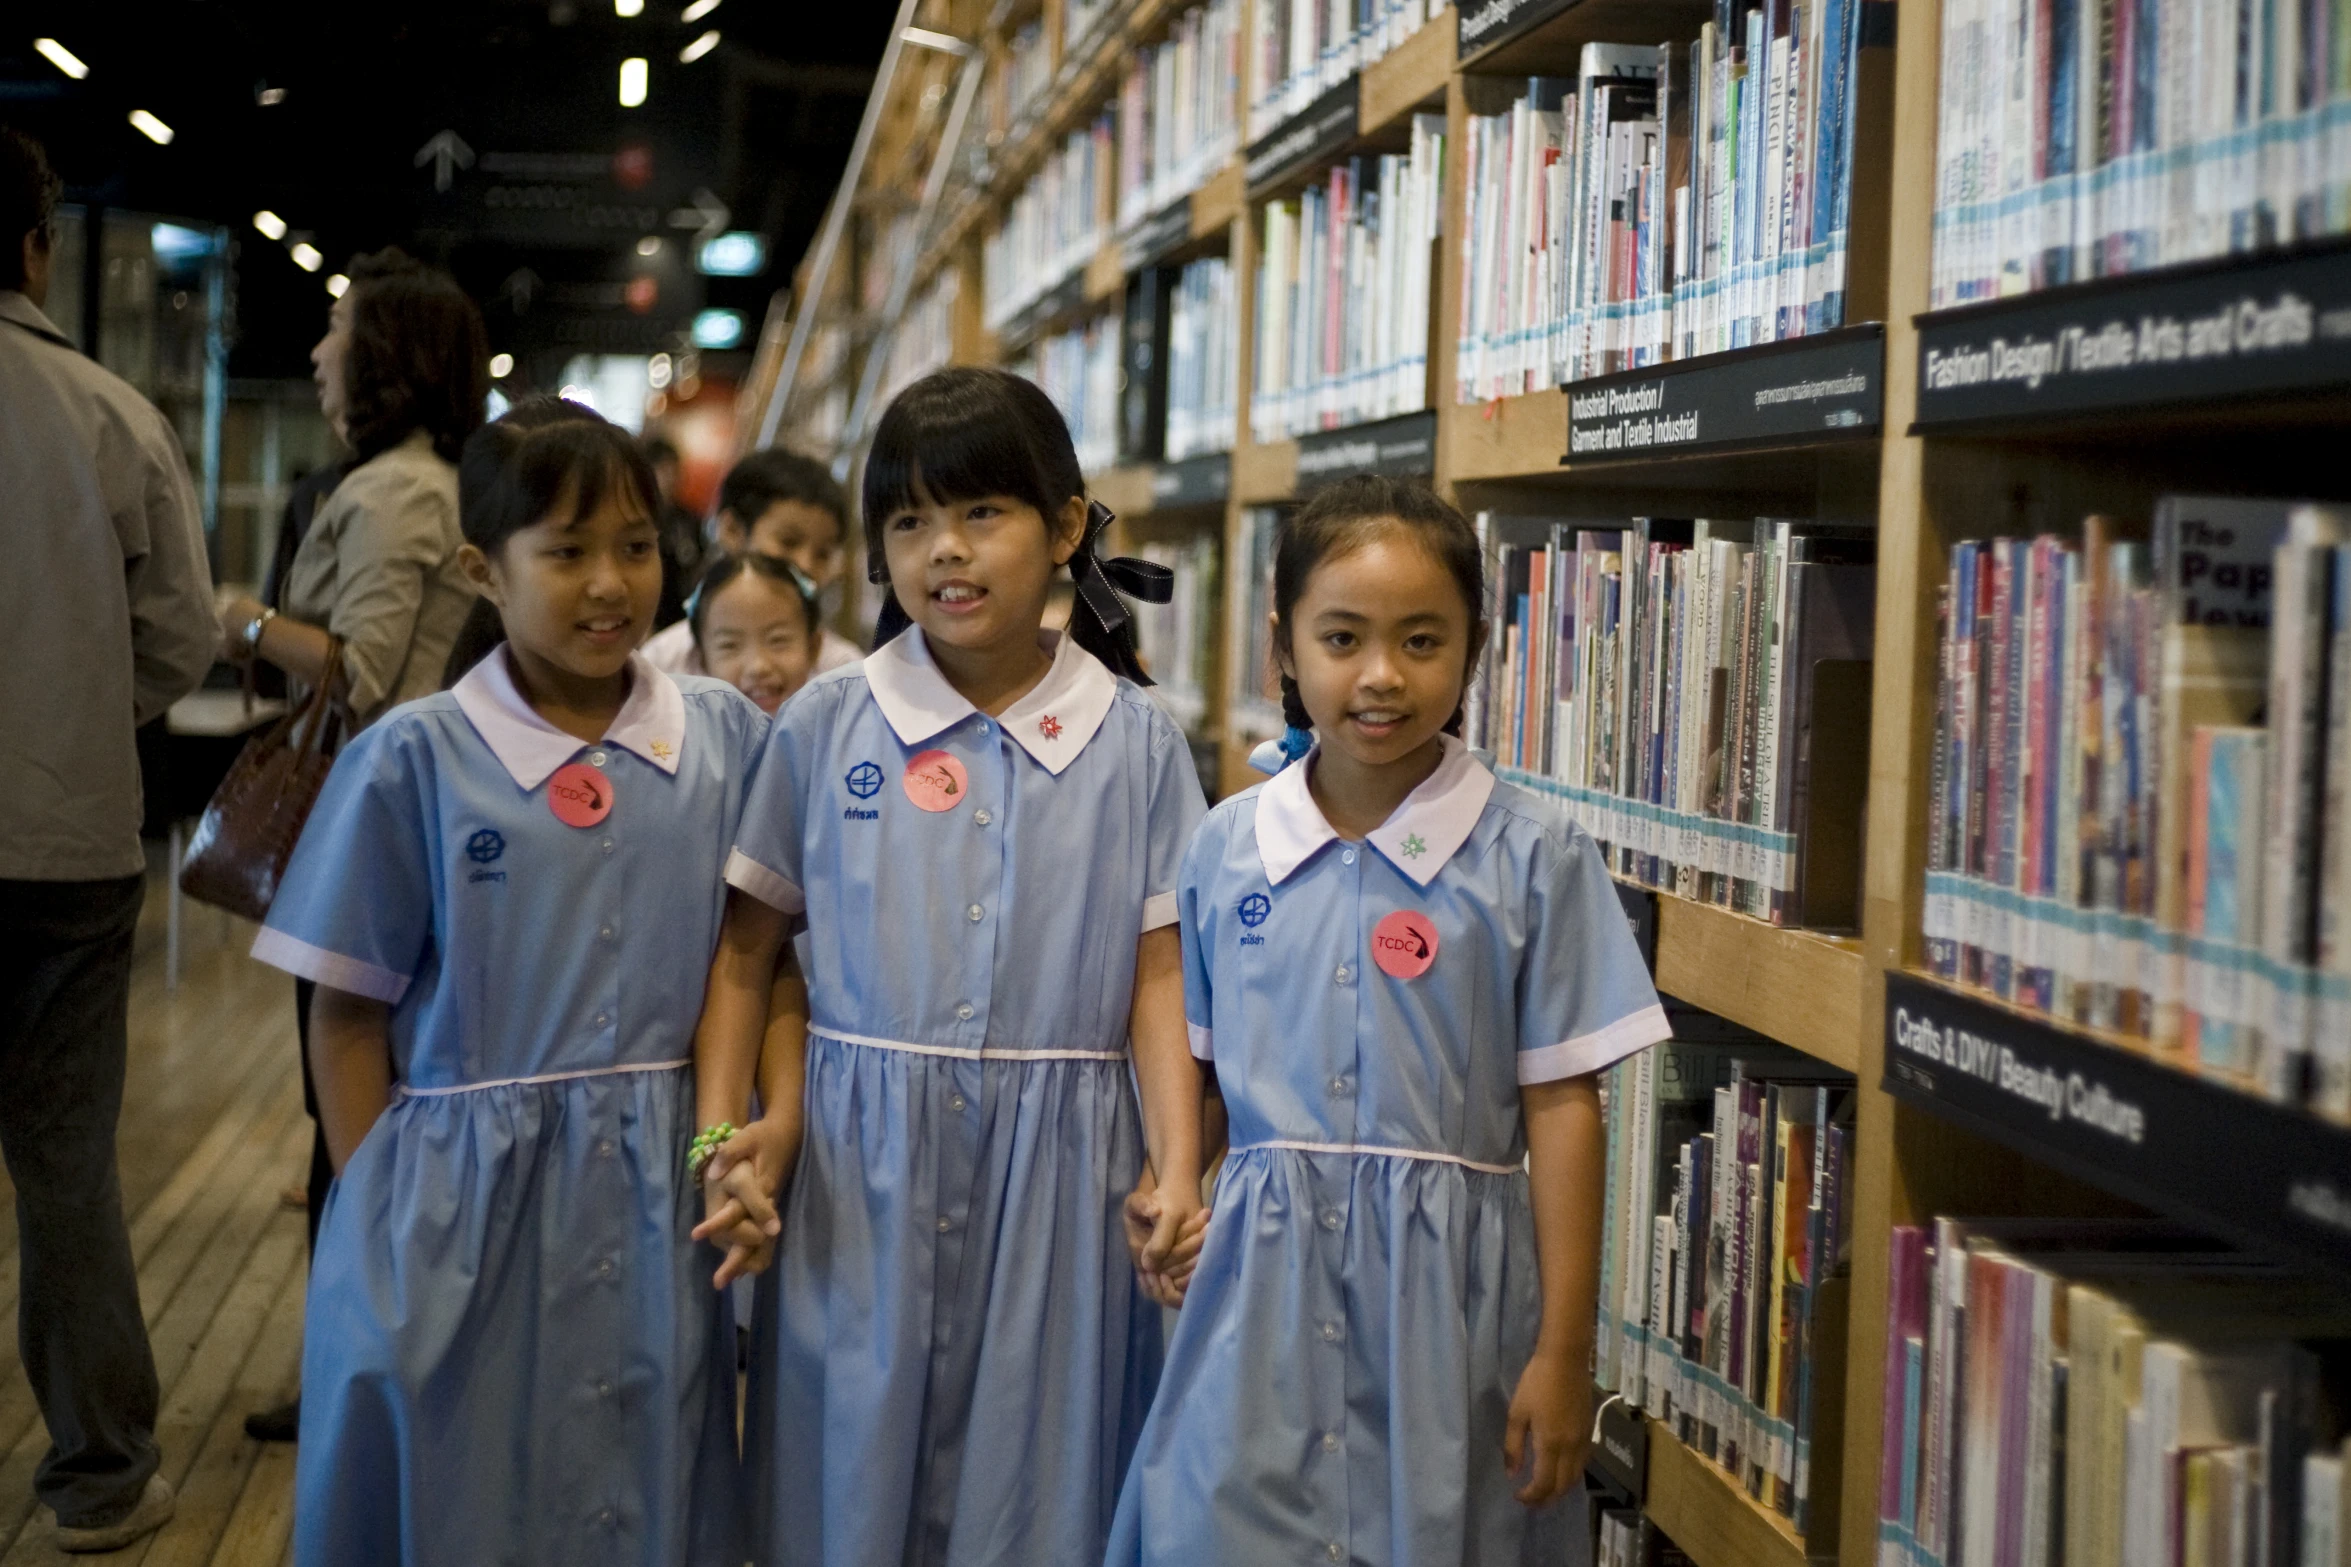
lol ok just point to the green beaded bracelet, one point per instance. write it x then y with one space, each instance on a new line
706 1144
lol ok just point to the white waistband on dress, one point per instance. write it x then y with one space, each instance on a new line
963 1053
406 1092
1295 1146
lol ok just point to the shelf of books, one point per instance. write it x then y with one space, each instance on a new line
1907 460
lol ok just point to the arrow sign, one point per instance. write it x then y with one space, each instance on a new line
445 151
707 217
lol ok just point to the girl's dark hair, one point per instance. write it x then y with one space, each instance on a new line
724 570
957 435
543 452
1350 513
515 471
419 358
775 474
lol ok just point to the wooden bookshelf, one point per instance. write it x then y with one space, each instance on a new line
1702 1510
1924 478
1796 986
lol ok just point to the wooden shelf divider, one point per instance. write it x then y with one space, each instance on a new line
1796 986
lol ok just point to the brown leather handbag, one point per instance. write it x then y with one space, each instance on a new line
247 833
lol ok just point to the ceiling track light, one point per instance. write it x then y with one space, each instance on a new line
698 48
338 286
270 225
305 255
66 60
152 128
633 72
698 10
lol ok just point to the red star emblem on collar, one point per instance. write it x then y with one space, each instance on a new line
1049 727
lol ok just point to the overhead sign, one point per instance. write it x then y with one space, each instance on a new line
1404 448
1305 141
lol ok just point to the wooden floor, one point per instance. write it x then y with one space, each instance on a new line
212 1130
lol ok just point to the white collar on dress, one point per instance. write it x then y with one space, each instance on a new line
652 722
1434 821
1052 723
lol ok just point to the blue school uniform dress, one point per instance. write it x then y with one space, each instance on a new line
1340 1378
951 1356
513 1353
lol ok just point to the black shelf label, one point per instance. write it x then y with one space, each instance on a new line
1168 229
1640 913
1195 481
2180 338
1305 140
1622 1452
1401 448
2268 1176
1808 389
1489 24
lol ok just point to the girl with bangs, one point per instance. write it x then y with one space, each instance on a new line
979 830
507 896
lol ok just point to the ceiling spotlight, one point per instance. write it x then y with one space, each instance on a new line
70 63
698 10
649 246
698 48
628 7
270 224
501 366
152 128
305 255
632 81
338 286
270 97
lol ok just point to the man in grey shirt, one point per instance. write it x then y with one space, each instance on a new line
106 611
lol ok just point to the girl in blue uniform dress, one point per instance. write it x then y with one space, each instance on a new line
1405 974
981 825
508 895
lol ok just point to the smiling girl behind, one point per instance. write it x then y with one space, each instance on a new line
981 825
507 895
1405 974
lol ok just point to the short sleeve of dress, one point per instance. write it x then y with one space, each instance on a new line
355 910
1199 997
1173 813
766 861
1584 997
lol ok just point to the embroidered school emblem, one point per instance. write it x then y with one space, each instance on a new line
484 847
864 780
1414 847
1404 944
1049 727
1254 909
662 750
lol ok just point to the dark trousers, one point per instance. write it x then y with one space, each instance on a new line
65 989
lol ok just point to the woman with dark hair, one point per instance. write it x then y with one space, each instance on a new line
402 374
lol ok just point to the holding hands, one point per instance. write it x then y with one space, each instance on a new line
1165 1230
739 1187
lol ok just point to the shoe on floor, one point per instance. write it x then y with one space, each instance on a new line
156 1505
282 1424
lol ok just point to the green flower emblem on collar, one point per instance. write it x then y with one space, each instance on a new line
1414 848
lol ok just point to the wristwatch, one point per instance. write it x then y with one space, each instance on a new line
253 630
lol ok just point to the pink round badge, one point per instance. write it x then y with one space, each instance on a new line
935 781
1404 944
579 795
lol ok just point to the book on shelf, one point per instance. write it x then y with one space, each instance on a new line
1178 639
1179 110
1301 49
1666 201
2101 1393
2078 141
1343 274
923 340
1183 357
1021 82
1253 708
1696 694
1080 370
1054 224
1722 1245
2139 782
1628 1538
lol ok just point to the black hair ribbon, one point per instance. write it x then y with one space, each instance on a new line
1100 582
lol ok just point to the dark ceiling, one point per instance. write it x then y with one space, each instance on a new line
546 224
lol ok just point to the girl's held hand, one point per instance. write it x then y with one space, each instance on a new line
738 1198
1165 1231
1550 1432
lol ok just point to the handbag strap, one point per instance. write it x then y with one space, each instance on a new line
322 699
